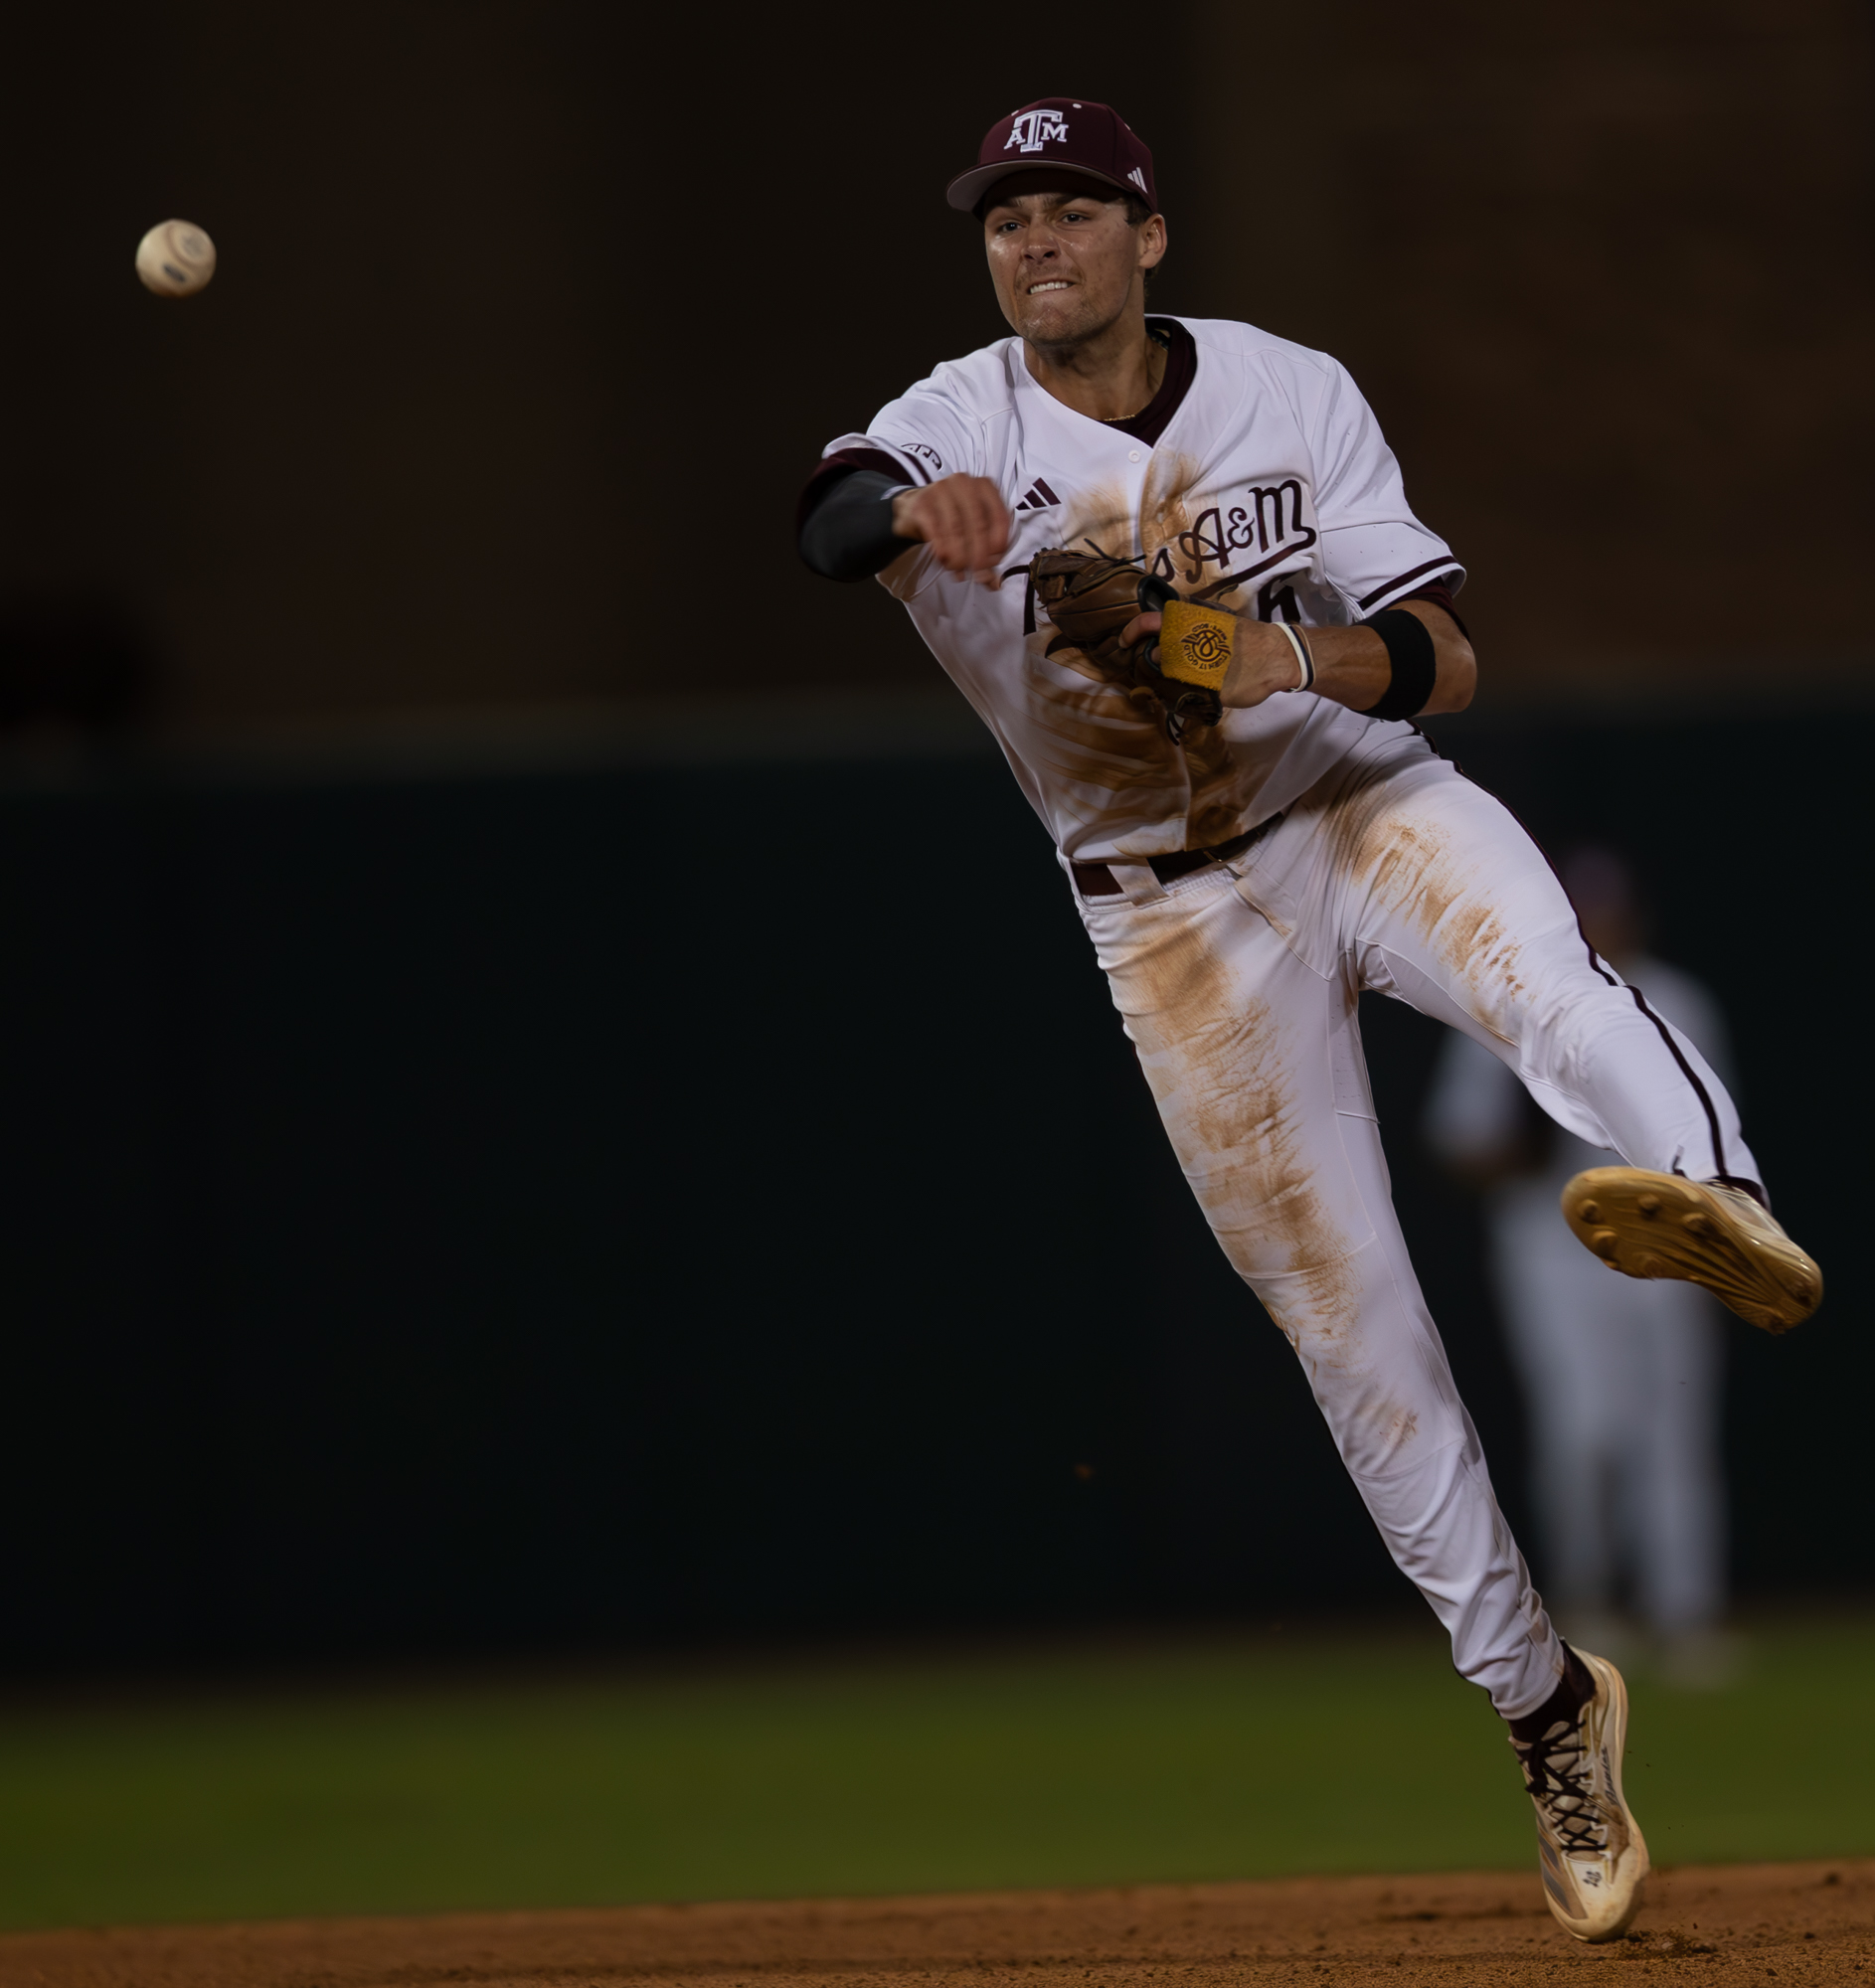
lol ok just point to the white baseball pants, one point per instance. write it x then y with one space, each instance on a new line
1239 985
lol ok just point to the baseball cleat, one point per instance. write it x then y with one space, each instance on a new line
1590 1849
1649 1225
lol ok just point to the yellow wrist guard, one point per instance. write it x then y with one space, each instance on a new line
1195 644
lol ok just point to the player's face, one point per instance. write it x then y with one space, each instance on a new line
1066 263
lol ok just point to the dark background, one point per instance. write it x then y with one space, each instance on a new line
511 1145
523 308
433 1229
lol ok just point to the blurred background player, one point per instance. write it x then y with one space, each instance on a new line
1622 1378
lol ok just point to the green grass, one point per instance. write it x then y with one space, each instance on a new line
1205 1758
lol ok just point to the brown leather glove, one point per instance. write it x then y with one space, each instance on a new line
1089 597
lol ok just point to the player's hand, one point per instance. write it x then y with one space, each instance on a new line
1138 628
962 519
1262 661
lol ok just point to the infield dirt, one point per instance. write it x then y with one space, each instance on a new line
1792 1922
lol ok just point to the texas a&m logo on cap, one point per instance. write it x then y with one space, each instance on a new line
1032 129
1093 140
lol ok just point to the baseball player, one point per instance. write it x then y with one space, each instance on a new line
1171 565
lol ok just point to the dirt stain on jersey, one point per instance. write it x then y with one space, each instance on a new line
1104 734
1220 788
1113 738
1220 780
1100 516
1164 502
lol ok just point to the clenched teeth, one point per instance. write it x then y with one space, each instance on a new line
1036 290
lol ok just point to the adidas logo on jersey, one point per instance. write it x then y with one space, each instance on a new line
1040 498
1036 128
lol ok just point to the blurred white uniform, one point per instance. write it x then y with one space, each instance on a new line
1622 1378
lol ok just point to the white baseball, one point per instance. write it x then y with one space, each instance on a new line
175 258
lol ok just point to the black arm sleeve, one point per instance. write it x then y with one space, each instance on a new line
846 531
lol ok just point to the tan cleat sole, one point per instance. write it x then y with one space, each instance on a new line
1649 1225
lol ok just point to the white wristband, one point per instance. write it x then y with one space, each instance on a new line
1303 660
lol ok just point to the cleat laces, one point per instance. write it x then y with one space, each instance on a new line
1560 1775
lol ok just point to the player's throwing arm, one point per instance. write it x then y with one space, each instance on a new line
964 522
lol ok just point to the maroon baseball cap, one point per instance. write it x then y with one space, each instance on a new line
1091 139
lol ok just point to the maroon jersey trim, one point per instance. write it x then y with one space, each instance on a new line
1181 369
1440 566
1440 594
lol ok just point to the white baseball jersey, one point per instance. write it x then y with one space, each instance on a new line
1269 490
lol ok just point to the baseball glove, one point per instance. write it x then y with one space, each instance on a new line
1089 597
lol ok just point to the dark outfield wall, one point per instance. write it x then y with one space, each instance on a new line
537 1211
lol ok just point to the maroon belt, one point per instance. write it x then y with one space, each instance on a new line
1095 880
